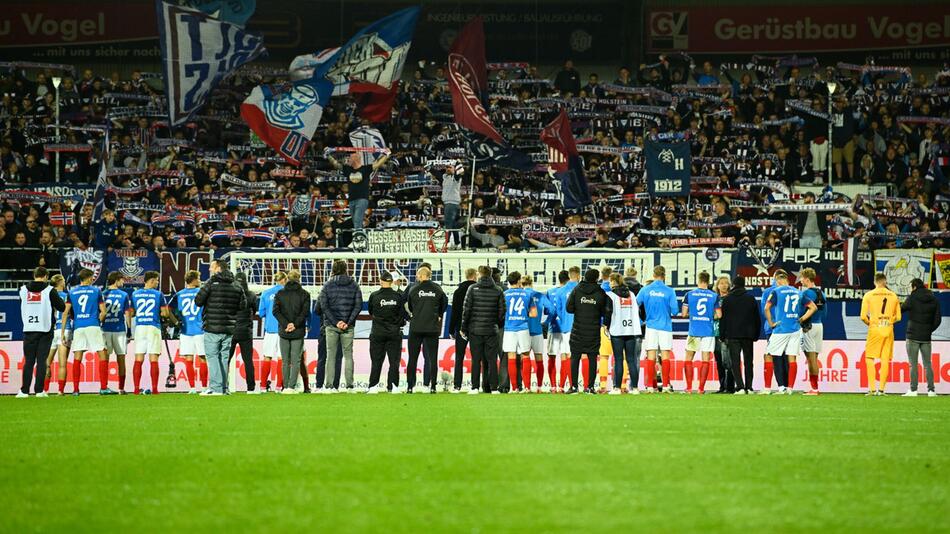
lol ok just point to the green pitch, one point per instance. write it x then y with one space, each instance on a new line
457 463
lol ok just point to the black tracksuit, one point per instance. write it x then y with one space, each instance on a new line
740 326
244 338
426 303
483 315
591 308
458 302
385 338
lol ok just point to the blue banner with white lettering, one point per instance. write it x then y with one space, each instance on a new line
667 168
133 264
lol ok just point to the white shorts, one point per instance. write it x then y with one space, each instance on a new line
701 344
148 340
657 339
57 340
87 339
191 345
115 343
537 345
811 340
789 344
518 342
271 346
558 344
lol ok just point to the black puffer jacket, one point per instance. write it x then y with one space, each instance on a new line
740 316
591 308
922 311
222 298
458 302
245 318
340 300
483 312
292 305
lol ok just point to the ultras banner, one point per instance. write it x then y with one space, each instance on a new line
841 362
757 265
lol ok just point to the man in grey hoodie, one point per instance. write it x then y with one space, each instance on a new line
922 310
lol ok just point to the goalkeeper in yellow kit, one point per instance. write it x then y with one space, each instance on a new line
880 310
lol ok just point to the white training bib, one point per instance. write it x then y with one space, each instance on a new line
625 318
36 310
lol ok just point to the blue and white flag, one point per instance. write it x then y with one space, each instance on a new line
233 11
286 116
198 50
368 137
370 62
667 168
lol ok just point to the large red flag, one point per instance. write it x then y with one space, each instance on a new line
468 80
560 140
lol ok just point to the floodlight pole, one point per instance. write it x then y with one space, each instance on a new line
831 150
56 81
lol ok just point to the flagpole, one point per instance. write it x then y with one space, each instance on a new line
471 205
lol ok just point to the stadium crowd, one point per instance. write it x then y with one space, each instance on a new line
755 129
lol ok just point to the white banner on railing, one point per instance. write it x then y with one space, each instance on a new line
842 368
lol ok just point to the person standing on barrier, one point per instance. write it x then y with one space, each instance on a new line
923 318
39 303
426 304
483 314
455 322
385 338
451 199
340 303
221 299
292 310
359 177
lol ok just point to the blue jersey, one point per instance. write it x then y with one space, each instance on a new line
766 293
189 311
535 309
565 319
811 296
605 285
702 305
59 315
117 302
266 309
85 302
517 302
550 310
659 303
786 309
147 304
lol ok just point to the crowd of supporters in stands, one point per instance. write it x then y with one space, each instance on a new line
757 130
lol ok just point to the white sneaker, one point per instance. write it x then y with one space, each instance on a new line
634 391
614 392
192 391
545 389
329 391
21 395
782 390
789 391
536 390
473 392
254 391
911 393
455 391
41 395
395 391
496 392
209 393
765 392
289 391
740 392
373 390
650 390
931 393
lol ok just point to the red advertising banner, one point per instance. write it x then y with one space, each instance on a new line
52 23
792 28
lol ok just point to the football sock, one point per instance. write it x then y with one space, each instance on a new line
552 371
203 373
526 374
814 381
703 375
565 371
666 373
885 370
689 375
539 372
136 376
62 386
768 375
280 375
122 376
792 372
103 374
77 370
872 374
584 365
190 373
647 383
265 373
513 372
154 372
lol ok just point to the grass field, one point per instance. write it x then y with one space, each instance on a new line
474 464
